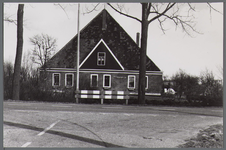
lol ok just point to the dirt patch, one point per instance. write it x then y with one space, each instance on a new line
211 137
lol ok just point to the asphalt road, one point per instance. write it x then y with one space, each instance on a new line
31 124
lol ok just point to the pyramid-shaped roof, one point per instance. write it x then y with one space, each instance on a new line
102 27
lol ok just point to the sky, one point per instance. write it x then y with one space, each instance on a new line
170 51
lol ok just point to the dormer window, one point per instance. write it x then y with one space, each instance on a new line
101 58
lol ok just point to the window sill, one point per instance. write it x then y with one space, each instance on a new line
131 89
106 87
69 86
55 86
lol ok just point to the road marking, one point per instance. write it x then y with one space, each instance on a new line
173 116
60 106
26 144
48 128
167 109
112 107
24 104
126 114
202 117
217 110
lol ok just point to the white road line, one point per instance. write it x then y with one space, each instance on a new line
48 128
60 106
202 117
24 104
26 144
112 107
167 109
217 110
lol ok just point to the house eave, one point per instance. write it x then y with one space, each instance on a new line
100 71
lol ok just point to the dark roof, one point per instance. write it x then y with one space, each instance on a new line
103 26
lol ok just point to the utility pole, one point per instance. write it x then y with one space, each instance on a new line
77 64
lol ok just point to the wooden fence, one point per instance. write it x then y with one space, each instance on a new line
98 94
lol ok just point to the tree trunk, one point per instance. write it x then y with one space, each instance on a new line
143 50
19 49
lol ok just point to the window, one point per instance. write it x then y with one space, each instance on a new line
56 79
69 79
107 81
94 80
131 82
146 82
101 57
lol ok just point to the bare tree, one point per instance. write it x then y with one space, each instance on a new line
212 88
19 49
160 12
44 47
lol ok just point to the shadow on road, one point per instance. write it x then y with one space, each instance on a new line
71 136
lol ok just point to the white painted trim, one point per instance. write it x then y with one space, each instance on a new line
104 71
66 79
148 94
104 81
147 82
101 40
53 79
134 77
113 55
91 79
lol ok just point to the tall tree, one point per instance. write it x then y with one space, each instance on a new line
19 50
160 12
44 47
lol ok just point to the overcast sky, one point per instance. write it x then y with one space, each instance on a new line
169 51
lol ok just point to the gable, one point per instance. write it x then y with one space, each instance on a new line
109 60
119 43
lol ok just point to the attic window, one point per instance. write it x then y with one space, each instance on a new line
101 58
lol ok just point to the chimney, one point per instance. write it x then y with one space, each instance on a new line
138 39
104 24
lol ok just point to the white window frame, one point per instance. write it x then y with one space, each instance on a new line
53 81
134 77
146 80
98 59
91 79
66 79
109 81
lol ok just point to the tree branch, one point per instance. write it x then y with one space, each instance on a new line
123 13
7 19
211 7
160 14
89 11
62 8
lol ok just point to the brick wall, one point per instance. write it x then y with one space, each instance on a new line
119 82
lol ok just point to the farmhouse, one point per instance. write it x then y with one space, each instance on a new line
109 61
